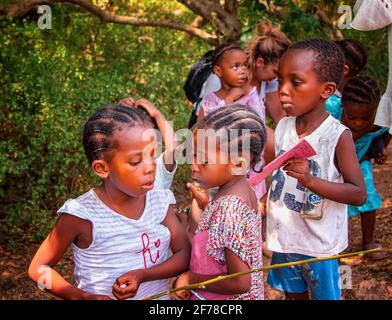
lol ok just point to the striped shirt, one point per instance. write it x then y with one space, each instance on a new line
120 244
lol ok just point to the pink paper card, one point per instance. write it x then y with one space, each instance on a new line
302 150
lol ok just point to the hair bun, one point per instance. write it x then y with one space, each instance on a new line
266 28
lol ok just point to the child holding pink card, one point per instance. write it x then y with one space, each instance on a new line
307 201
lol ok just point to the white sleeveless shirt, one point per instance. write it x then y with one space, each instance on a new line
287 231
120 244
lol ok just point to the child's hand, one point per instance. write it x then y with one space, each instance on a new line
200 195
299 169
235 94
127 285
182 280
148 106
382 157
128 102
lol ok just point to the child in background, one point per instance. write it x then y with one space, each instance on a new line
309 73
355 55
360 99
120 232
228 236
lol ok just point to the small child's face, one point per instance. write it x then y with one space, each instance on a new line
358 118
232 70
211 165
132 166
300 90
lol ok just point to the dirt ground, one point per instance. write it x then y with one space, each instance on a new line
371 280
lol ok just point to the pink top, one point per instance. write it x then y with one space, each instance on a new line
229 223
212 102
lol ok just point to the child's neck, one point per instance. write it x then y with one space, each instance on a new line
225 89
307 123
238 186
130 207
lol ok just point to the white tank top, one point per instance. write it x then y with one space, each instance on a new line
287 231
120 244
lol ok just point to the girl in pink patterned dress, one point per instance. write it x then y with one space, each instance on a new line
228 237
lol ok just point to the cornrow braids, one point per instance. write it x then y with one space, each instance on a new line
355 54
100 127
361 90
329 59
247 123
270 45
222 49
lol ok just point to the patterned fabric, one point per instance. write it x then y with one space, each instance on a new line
212 102
233 225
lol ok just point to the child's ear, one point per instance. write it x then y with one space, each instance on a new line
239 167
346 71
100 168
329 90
217 70
259 62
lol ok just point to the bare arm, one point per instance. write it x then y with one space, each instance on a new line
177 263
352 191
231 286
269 148
169 137
66 230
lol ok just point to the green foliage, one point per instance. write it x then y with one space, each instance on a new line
51 80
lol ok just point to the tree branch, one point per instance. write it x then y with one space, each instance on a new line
21 8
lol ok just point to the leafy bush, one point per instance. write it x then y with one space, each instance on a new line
51 80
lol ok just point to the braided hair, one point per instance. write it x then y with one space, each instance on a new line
222 49
361 90
329 59
98 131
250 128
355 54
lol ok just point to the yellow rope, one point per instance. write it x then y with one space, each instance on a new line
202 285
